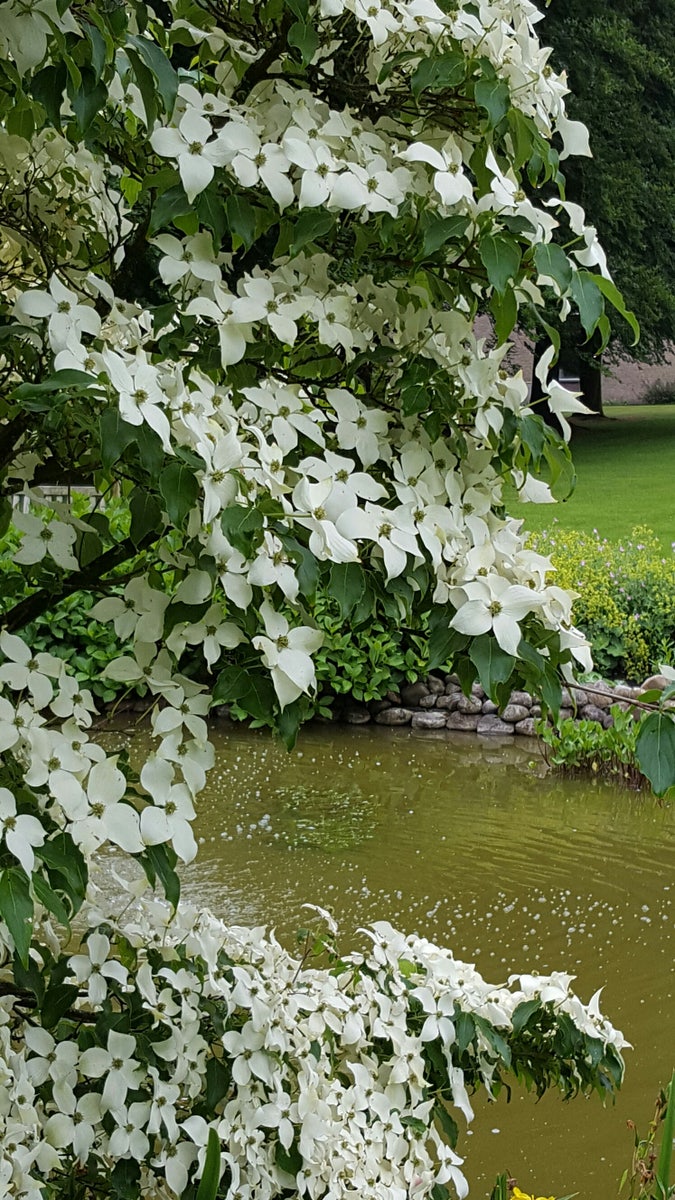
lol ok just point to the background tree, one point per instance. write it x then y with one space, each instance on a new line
619 60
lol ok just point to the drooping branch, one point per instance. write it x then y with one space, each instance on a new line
91 576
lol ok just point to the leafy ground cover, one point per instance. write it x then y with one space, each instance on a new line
625 464
625 601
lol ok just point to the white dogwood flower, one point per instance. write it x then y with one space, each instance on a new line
195 151
55 538
287 652
22 832
67 317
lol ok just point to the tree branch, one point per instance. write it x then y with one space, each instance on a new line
34 606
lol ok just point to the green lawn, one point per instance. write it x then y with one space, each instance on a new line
625 465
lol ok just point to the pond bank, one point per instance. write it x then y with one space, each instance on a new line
438 702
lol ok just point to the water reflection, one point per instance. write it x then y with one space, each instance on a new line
474 845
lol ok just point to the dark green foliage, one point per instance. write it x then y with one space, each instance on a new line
620 59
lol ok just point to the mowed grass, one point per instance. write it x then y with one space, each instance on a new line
625 464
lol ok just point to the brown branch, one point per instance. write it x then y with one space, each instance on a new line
28 1000
89 577
257 71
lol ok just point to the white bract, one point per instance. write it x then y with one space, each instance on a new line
243 250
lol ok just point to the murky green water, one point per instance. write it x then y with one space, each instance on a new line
472 844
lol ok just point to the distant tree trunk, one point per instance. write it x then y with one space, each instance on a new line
590 385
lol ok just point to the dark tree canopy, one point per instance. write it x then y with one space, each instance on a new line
620 59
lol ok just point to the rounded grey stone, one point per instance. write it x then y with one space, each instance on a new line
492 724
469 704
357 716
460 720
591 712
429 720
412 693
526 727
429 701
515 712
394 716
448 702
655 681
435 684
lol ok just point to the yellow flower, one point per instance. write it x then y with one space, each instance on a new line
518 1195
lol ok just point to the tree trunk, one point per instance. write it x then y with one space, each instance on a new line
590 385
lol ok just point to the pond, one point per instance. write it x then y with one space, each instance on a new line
474 845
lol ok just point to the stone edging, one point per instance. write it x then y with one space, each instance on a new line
439 703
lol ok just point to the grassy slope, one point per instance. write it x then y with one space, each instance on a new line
625 466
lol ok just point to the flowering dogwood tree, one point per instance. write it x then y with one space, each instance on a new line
244 246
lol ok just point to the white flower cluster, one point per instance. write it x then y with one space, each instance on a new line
330 406
323 1081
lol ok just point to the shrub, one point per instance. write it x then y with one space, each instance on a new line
578 747
661 392
626 596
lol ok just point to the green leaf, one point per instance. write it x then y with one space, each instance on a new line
501 258
179 489
124 1179
289 1160
561 467
588 299
218 1076
533 435
612 293
310 225
146 516
57 382
172 203
444 641
303 37
150 449
58 999
16 909
258 697
347 586
465 1030
211 212
552 263
504 309
522 1014
443 71
88 99
48 87
157 62
667 1138
254 692
240 524
159 862
493 664
62 855
99 53
50 899
442 230
448 1125
208 1184
655 749
146 85
494 96
300 8
115 436
241 219
290 720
